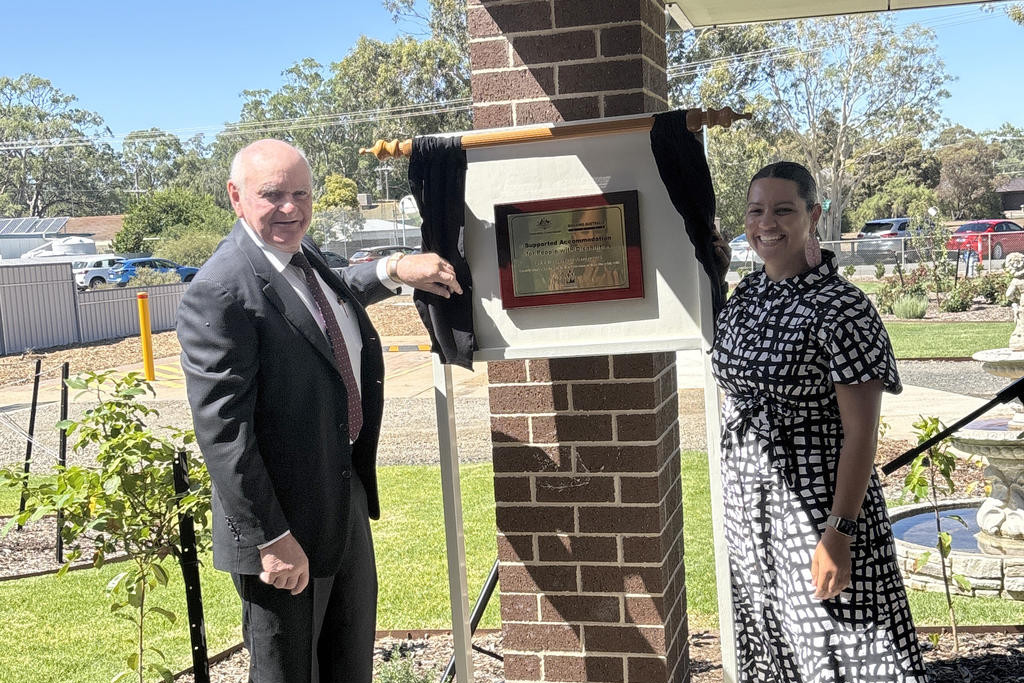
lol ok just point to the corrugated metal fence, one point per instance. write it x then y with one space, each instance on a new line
40 307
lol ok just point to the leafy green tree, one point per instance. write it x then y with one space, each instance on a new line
339 192
966 188
190 247
734 155
154 215
149 158
900 197
50 162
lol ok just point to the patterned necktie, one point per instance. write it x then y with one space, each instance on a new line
334 336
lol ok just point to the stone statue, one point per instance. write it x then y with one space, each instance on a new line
1015 292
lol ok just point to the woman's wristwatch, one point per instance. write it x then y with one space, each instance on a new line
847 527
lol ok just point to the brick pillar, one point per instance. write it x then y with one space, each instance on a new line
586 450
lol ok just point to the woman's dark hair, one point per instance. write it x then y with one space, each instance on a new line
807 189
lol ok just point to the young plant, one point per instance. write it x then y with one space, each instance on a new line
126 503
879 271
921 484
848 272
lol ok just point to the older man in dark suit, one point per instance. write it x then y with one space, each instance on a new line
285 379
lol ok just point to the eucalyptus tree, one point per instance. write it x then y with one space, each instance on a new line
149 157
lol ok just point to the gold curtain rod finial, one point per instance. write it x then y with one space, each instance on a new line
388 149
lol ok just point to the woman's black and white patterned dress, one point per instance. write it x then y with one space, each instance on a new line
780 348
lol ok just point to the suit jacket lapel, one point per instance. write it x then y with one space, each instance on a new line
281 294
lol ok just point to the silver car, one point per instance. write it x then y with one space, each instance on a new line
884 239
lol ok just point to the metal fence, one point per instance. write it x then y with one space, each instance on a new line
40 307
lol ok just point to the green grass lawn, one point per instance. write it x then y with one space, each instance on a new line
946 340
57 630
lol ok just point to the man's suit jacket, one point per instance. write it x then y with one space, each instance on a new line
269 406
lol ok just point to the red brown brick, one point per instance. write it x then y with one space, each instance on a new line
620 520
580 608
520 667
494 20
519 607
644 549
646 611
541 637
515 547
640 639
557 109
624 39
554 369
618 74
562 428
506 371
612 579
617 458
512 489
588 13
648 426
640 489
566 548
619 396
576 489
525 458
524 518
641 365
528 398
531 578
622 104
590 669
546 48
489 54
510 429
492 116
513 84
648 669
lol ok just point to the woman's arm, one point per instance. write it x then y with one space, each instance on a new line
859 406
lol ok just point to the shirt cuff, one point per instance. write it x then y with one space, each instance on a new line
261 546
382 275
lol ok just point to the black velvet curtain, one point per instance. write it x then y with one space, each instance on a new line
684 170
437 177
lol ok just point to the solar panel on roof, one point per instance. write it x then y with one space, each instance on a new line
32 226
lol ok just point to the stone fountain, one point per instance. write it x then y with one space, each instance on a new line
993 561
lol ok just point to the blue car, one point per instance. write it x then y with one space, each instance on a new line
129 268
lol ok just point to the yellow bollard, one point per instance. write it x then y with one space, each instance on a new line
146 334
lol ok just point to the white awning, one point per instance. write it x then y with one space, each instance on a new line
687 14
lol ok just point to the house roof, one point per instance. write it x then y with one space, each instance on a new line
100 228
1012 185
700 13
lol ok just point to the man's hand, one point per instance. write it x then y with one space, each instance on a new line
428 272
830 566
285 565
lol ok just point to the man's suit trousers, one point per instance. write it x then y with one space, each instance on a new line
326 633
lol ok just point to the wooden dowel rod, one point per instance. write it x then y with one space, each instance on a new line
695 120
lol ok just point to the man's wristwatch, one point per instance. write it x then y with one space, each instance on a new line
847 527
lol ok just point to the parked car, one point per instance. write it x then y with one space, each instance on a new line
129 268
335 260
743 255
92 270
374 253
884 238
987 238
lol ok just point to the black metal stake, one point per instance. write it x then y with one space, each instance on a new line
31 434
190 572
474 620
62 453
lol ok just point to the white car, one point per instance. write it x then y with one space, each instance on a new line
92 270
743 255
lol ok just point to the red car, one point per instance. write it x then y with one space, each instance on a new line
989 239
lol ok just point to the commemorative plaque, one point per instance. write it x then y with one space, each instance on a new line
569 250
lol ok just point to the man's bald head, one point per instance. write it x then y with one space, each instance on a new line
261 147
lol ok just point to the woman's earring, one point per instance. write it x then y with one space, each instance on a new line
812 251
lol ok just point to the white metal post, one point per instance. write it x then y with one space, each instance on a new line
713 416
455 542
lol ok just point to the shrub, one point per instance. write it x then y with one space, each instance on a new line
879 271
848 272
992 287
147 278
190 248
960 298
894 289
913 306
397 668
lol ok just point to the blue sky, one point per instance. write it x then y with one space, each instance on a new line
180 66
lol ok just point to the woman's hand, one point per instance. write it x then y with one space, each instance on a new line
831 565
